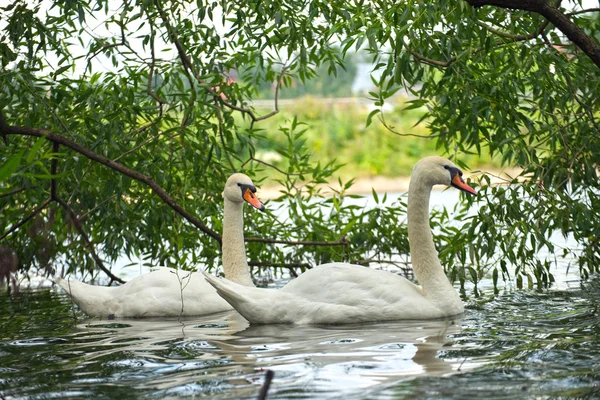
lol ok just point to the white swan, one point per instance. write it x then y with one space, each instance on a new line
159 293
340 293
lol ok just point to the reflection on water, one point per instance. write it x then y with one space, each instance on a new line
537 344
229 354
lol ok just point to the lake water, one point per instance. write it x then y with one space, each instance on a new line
517 344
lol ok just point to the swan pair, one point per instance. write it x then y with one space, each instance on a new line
339 293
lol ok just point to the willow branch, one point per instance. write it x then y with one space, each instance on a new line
297 242
13 192
188 66
431 61
145 179
3 128
291 267
512 36
149 90
86 241
35 212
93 210
55 148
391 129
587 10
553 14
221 136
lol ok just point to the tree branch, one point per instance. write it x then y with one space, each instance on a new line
86 241
588 10
35 212
55 148
431 61
515 37
12 192
552 13
291 267
297 242
147 180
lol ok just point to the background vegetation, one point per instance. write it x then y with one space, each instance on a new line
120 122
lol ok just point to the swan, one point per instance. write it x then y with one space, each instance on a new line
339 293
159 293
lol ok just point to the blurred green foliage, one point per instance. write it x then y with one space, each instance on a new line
335 129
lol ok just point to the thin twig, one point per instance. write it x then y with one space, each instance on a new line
84 216
391 129
431 61
55 148
296 242
291 267
13 192
587 10
512 36
27 218
221 136
86 241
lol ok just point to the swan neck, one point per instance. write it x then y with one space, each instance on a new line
426 264
235 264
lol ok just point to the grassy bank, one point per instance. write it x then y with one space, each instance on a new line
336 129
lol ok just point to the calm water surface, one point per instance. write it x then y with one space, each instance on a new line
517 344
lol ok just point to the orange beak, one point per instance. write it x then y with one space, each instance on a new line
253 200
458 183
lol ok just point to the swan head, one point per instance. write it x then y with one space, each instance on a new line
239 188
441 171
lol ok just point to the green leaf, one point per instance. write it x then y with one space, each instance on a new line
34 149
371 115
11 166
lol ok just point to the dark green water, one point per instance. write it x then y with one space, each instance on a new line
520 344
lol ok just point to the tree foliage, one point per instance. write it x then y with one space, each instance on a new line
121 122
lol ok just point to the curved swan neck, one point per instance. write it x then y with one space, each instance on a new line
235 264
426 263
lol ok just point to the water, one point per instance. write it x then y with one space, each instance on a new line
518 344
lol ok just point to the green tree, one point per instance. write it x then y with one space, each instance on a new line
130 157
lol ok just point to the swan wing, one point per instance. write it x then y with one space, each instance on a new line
164 292
330 294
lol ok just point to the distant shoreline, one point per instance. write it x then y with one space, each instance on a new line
382 184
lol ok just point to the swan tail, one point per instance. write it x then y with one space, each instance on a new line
95 301
259 306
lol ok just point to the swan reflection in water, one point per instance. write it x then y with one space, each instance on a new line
224 347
